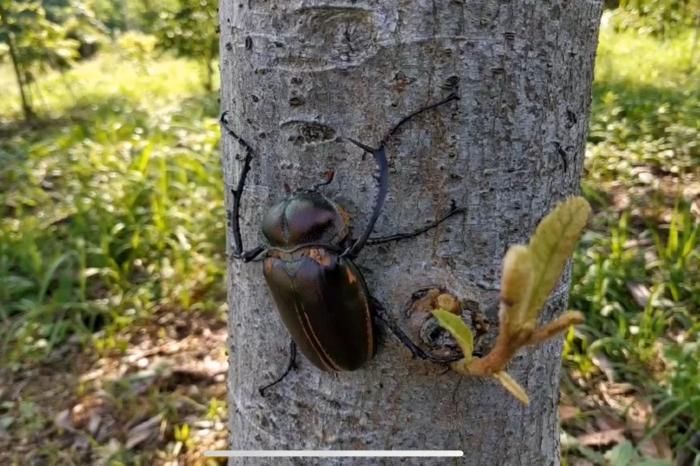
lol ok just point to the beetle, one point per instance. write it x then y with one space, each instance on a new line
308 264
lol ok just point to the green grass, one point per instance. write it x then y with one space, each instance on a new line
112 207
643 177
646 106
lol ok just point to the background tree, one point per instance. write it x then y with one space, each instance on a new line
295 77
33 43
80 22
657 16
190 30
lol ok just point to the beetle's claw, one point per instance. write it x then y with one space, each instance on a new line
347 254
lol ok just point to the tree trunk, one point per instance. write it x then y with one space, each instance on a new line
21 85
296 75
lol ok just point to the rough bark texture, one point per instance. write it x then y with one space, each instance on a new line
296 75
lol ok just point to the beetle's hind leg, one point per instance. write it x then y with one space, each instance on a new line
291 364
381 313
454 210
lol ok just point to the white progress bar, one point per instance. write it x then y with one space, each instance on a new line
333 453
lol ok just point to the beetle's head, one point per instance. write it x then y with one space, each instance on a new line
305 217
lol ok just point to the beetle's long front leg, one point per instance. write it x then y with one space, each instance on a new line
291 364
374 240
237 193
391 324
379 155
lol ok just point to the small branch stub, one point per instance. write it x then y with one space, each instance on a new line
433 336
528 278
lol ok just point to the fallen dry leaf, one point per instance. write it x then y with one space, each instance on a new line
640 293
63 421
639 416
604 422
605 365
147 430
581 462
599 439
567 412
656 447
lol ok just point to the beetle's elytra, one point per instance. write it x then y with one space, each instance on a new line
325 305
308 265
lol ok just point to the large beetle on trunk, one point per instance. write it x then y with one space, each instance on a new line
308 264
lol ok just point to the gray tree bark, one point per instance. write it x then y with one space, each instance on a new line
298 74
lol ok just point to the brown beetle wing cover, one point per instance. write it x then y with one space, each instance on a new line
324 303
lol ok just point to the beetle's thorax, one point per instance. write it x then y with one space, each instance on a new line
320 254
305 217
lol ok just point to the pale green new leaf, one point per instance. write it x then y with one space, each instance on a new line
459 330
552 245
516 287
512 386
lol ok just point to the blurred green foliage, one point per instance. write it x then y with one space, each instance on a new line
38 35
128 15
191 30
111 210
656 16
80 23
32 44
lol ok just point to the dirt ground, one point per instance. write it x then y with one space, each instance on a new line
159 402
